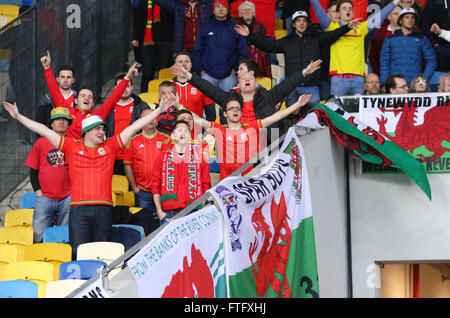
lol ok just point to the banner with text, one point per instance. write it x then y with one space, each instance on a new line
270 244
418 123
185 259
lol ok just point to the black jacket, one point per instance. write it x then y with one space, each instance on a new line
138 108
264 100
300 51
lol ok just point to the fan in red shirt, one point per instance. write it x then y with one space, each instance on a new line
238 142
140 155
191 97
84 99
91 164
180 174
49 176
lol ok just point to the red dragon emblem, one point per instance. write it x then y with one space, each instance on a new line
274 252
431 133
193 280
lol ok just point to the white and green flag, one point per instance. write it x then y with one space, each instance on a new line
270 248
184 260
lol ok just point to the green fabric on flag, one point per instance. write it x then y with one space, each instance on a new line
400 158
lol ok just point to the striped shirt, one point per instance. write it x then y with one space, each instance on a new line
236 147
91 169
140 153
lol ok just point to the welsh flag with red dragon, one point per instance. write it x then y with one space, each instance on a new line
363 142
268 219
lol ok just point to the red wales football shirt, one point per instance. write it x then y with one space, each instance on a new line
141 153
91 169
236 147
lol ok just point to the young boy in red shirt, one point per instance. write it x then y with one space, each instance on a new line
180 174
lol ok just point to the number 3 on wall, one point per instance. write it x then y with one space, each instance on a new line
308 290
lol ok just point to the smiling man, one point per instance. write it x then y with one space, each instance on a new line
65 79
91 164
84 99
403 51
239 142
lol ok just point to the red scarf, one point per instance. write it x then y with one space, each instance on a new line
171 166
153 16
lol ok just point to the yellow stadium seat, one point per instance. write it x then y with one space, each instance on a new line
134 209
8 12
39 272
280 34
128 199
265 82
279 24
119 188
165 73
153 85
9 254
150 97
119 184
62 288
21 217
16 235
53 253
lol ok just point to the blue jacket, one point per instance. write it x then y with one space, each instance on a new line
178 9
218 48
402 54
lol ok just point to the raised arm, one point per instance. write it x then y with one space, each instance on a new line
213 92
32 125
104 110
52 85
261 42
134 128
375 20
279 115
321 14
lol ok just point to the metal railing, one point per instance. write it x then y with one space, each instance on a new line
92 36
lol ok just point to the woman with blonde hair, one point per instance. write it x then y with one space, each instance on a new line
419 84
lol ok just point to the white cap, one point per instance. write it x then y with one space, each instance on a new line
406 11
299 13
90 122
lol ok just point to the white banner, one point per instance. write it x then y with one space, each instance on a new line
185 259
268 218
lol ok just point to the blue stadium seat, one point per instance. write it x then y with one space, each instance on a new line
27 200
125 235
132 226
80 269
18 289
57 234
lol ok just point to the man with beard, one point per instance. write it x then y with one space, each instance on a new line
403 51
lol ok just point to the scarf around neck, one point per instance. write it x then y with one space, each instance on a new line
170 188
